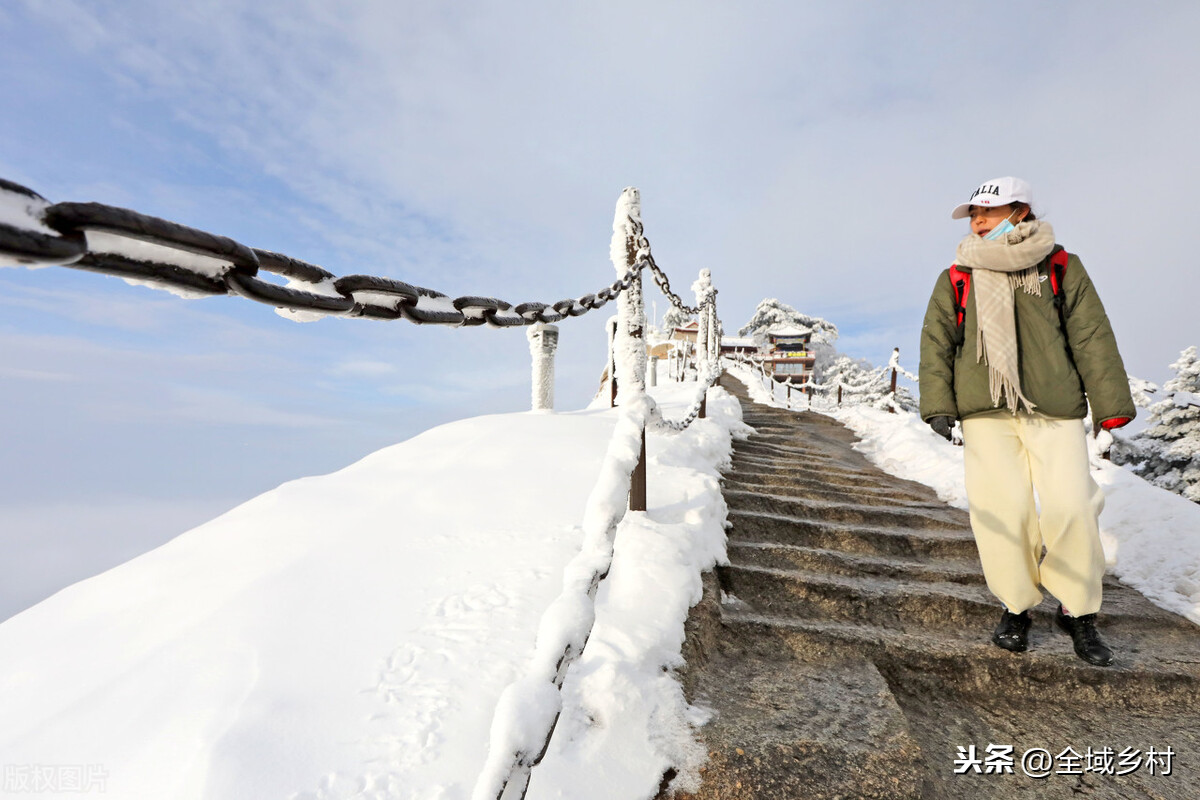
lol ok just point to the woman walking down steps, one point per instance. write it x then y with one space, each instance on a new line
835 650
1016 344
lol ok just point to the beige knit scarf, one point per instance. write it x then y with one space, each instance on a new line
1000 267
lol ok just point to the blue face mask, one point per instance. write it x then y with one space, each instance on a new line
1001 229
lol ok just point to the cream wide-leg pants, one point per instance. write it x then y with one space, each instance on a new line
1007 457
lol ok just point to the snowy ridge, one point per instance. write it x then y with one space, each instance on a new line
350 635
1151 536
529 707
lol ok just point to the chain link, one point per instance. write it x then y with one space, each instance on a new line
646 259
193 262
661 423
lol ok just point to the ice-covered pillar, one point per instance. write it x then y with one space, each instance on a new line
714 326
702 287
543 341
630 343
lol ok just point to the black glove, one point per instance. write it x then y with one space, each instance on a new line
942 426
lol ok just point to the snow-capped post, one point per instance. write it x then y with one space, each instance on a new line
543 342
653 371
702 287
706 332
629 345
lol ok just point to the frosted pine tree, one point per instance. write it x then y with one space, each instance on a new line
674 318
1143 391
859 381
773 313
1168 452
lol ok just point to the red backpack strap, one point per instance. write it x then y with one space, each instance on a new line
1058 265
961 281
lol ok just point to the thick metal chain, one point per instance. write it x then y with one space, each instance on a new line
646 258
58 235
676 426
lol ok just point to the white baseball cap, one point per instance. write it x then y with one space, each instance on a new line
996 192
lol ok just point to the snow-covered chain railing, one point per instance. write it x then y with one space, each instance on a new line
708 379
528 710
193 263
868 383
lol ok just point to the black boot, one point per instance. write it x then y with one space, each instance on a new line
1013 632
1088 644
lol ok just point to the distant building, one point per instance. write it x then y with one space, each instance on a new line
788 357
735 345
687 333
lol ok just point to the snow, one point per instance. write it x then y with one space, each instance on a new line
24 212
138 250
787 330
366 633
1151 537
1183 399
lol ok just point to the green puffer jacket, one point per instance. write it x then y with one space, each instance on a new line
954 384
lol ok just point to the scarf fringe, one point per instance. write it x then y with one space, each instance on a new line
998 382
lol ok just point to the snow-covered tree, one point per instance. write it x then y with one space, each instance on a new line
1143 391
773 313
863 383
1168 452
674 318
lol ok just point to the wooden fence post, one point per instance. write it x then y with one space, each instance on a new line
630 338
637 483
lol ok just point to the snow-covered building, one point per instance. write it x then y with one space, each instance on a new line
789 357
738 345
687 332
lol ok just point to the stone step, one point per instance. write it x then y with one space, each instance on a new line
838 474
927 517
836 562
904 604
878 600
966 664
818 730
789 486
850 537
769 475
794 446
766 460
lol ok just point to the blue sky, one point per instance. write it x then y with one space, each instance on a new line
806 151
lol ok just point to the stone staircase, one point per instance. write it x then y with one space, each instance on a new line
845 650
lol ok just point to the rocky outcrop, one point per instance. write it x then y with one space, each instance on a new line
845 650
